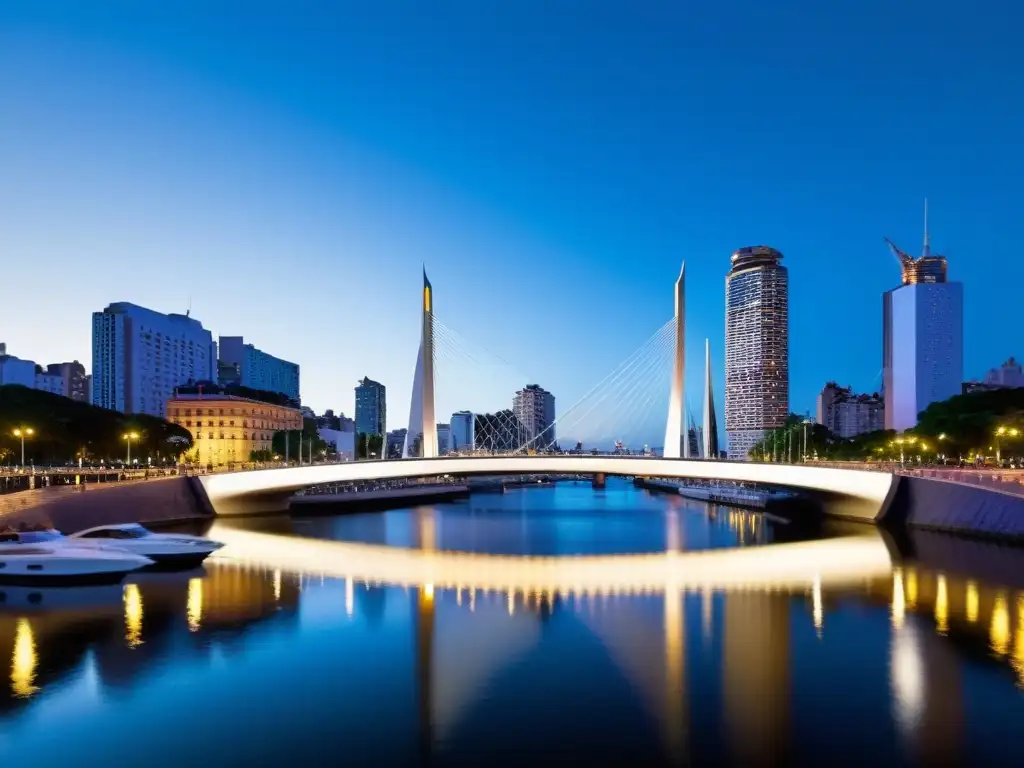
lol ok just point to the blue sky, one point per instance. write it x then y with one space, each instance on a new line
288 167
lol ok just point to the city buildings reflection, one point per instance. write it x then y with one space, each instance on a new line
723 668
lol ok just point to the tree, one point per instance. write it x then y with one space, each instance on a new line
65 430
369 446
261 455
968 423
286 442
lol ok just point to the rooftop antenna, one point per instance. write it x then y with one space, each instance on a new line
927 246
188 312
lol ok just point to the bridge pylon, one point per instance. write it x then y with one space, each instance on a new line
421 439
673 429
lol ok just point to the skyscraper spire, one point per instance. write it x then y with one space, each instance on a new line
927 245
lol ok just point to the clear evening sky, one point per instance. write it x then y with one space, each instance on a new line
289 166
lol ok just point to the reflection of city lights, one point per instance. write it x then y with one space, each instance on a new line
277 586
428 591
24 661
195 604
911 589
819 614
349 597
906 674
133 615
458 596
972 601
999 629
511 603
899 605
941 605
1018 643
781 566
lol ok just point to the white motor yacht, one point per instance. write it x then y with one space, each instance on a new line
45 558
167 550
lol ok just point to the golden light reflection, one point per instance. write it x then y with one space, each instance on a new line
511 603
24 661
780 566
349 597
972 601
899 603
133 615
999 628
819 613
428 591
911 589
195 604
1018 644
277 586
941 605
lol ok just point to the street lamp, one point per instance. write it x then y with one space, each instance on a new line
23 432
1001 432
129 436
806 422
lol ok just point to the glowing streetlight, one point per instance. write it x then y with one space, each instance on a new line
23 432
129 436
1004 432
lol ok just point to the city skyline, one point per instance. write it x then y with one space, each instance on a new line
361 204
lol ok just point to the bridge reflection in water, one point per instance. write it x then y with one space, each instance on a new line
116 636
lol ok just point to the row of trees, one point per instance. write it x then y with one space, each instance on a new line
64 431
975 424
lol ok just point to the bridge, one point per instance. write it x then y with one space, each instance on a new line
269 490
513 445
632 385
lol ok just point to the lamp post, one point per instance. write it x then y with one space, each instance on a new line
806 422
129 436
1000 432
23 432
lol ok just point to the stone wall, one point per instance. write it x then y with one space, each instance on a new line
941 505
157 501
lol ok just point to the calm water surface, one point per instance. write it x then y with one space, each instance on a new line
272 656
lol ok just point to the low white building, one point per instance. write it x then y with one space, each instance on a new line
344 442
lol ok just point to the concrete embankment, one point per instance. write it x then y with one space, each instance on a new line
942 505
156 502
373 501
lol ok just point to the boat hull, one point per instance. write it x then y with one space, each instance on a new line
14 579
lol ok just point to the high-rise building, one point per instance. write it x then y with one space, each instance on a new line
756 347
847 414
14 370
534 409
139 356
74 381
462 431
371 407
499 432
243 364
444 439
49 382
922 337
1006 376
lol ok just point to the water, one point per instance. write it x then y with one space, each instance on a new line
829 655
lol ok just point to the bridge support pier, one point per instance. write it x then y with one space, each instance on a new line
599 480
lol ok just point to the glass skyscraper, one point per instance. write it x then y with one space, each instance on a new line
371 407
922 338
756 347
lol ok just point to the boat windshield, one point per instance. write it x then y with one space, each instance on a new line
120 532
